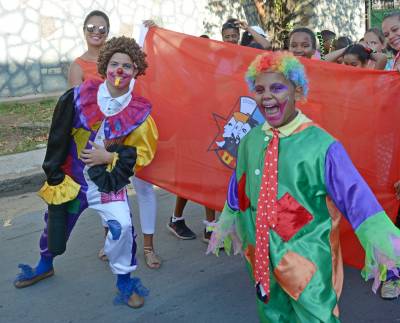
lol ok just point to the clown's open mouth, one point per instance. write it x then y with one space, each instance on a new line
272 110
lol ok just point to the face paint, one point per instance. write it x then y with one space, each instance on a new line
278 88
275 112
275 97
119 80
120 71
118 77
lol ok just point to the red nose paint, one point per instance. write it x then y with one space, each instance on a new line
119 71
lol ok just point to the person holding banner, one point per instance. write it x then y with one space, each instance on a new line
100 134
302 42
292 183
96 27
230 33
359 55
391 31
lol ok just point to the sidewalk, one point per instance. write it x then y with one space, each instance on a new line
21 173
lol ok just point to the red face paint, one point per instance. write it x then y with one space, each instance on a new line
120 71
275 97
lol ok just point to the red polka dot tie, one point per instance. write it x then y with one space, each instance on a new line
266 212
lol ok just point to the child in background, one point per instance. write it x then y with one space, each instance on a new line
254 36
292 182
358 55
230 31
302 42
391 31
328 39
375 40
341 42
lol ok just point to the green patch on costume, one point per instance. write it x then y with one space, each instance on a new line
73 207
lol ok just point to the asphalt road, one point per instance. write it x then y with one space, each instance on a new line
189 288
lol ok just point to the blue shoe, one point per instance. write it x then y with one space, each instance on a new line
130 291
29 276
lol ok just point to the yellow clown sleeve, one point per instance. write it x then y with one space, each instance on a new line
144 138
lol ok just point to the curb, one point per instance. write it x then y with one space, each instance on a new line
21 173
21 185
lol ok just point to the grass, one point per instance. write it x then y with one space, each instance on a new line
24 126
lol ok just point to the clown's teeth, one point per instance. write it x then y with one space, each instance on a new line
272 110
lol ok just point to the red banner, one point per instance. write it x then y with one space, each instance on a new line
202 108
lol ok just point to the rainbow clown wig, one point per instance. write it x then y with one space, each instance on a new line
281 62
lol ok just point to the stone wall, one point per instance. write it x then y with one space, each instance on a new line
345 18
39 38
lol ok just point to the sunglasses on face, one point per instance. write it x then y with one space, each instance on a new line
90 28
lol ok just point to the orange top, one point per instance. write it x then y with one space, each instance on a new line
89 69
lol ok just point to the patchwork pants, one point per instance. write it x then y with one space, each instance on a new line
113 208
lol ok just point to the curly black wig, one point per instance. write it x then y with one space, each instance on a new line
123 45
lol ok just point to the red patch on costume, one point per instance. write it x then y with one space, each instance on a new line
292 216
244 201
112 196
67 166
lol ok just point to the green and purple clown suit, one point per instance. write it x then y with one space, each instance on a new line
317 182
121 125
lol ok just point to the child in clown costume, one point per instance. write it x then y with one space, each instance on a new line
292 183
100 134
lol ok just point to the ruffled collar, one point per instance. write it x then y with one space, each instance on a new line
117 125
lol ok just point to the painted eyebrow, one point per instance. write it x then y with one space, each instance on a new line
277 86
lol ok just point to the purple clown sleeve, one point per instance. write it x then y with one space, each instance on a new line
232 198
224 231
376 232
347 189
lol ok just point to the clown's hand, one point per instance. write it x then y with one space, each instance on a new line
96 156
149 23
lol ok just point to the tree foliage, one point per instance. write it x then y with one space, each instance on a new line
279 17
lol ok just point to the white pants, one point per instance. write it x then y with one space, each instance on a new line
120 245
146 199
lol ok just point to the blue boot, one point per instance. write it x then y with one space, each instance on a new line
130 291
30 276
